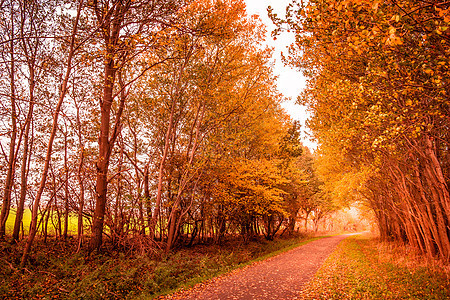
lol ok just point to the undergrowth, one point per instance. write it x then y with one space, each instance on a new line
362 269
55 272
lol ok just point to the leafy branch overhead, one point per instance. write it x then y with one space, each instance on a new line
378 91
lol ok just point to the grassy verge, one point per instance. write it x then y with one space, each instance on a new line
361 269
56 273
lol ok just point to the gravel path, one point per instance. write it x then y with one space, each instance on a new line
279 277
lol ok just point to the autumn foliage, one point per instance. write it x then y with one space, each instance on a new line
153 124
379 93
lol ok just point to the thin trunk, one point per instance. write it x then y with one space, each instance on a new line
66 190
34 215
190 152
137 171
12 144
174 97
156 211
147 195
26 131
24 168
80 207
58 226
428 217
436 169
45 225
440 217
80 179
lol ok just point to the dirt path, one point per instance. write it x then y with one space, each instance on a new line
279 277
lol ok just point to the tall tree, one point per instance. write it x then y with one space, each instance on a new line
9 180
63 91
379 93
124 28
32 46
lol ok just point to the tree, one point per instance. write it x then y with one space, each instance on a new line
13 119
377 90
64 83
30 48
129 114
125 27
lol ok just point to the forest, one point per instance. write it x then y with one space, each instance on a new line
152 123
150 126
378 87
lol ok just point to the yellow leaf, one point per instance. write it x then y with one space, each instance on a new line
375 6
395 18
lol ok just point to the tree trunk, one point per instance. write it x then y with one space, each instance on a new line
80 181
12 144
104 155
156 211
34 214
24 167
148 203
111 30
66 190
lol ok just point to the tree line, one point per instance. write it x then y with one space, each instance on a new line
378 88
153 123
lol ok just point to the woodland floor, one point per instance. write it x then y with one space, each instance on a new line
302 267
54 271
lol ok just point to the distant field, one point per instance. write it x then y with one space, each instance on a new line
72 230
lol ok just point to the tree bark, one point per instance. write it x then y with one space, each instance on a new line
66 190
80 179
111 29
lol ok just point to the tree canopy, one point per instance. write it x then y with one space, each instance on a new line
152 123
378 91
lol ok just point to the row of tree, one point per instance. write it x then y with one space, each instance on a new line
149 121
379 92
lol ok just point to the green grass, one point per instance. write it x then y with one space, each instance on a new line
55 272
358 269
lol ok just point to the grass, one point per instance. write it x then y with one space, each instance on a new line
361 268
56 273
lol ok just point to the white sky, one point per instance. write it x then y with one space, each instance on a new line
290 82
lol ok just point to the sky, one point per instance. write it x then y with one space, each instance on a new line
290 82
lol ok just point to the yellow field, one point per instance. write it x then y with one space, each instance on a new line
72 230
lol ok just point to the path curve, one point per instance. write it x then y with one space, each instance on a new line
279 277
